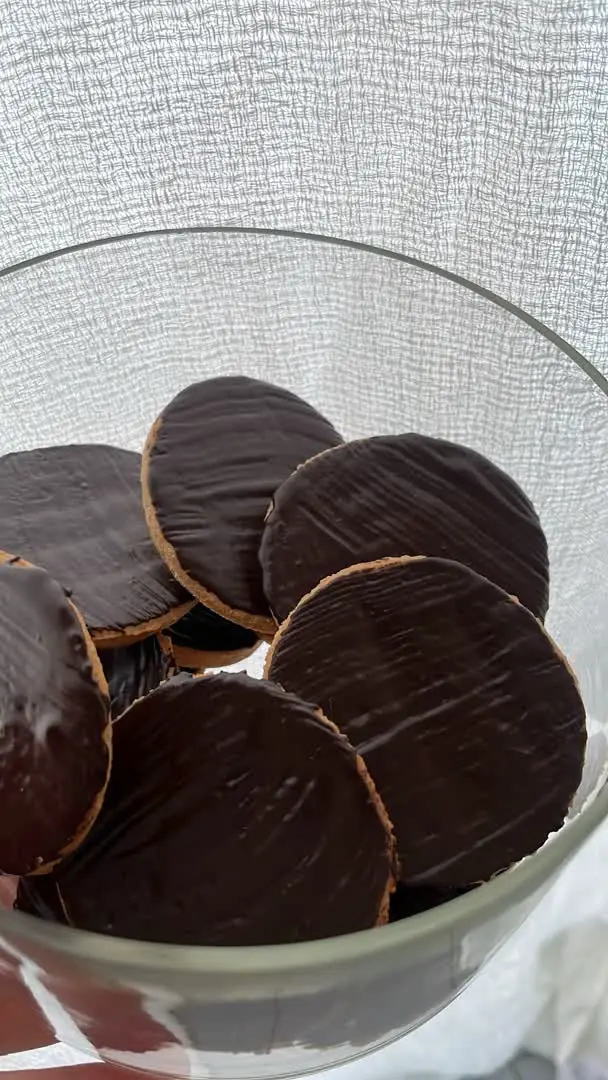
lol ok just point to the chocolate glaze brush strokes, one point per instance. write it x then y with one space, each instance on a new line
213 460
468 718
76 511
55 734
402 495
416 731
235 815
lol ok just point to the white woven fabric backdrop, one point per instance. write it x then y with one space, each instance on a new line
470 133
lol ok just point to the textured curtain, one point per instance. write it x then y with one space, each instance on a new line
472 133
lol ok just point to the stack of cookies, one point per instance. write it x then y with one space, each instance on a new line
416 732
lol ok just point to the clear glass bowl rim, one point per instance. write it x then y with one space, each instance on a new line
505 890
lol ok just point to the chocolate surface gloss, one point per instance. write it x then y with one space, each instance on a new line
54 722
468 719
402 495
214 460
235 815
76 511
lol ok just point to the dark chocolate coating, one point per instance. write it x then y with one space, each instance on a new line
469 721
54 723
204 630
38 896
76 511
222 449
402 495
133 671
241 818
408 900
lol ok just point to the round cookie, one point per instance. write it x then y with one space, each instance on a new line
212 463
203 639
468 718
241 818
402 495
76 511
132 671
55 733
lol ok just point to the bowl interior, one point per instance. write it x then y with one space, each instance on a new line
95 340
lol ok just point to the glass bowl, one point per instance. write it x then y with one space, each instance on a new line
94 340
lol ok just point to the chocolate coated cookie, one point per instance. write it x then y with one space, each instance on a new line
402 495
212 463
76 511
132 671
468 718
241 817
55 734
203 639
